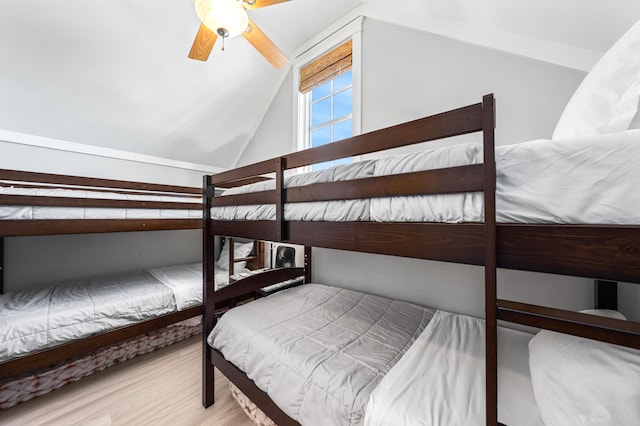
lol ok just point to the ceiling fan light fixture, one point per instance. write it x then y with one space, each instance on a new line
227 18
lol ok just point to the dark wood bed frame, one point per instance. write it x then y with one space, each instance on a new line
14 228
602 252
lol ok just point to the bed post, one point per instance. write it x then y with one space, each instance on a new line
491 304
307 264
232 260
280 230
208 311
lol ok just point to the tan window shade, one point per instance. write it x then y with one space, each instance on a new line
326 68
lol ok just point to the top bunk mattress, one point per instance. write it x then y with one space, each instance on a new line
587 180
28 212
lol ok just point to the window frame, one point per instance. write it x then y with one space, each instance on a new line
302 101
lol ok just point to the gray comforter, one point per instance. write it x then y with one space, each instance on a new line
319 351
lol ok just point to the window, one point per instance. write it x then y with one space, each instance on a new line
331 114
327 87
328 83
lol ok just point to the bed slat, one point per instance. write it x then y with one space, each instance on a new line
27 200
251 229
15 228
18 175
450 242
259 197
443 181
254 283
448 124
594 251
618 332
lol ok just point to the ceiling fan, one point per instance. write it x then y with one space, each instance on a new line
228 18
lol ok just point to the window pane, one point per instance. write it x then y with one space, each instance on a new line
321 166
342 104
321 91
320 112
343 81
320 136
347 160
342 130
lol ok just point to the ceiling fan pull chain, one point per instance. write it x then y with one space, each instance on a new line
223 43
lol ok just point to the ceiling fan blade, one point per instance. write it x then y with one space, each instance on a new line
261 42
202 45
257 4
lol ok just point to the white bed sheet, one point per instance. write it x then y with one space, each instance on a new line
591 180
46 212
318 351
32 320
441 379
186 281
334 211
587 180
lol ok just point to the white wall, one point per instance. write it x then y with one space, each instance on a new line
39 154
274 135
36 261
408 74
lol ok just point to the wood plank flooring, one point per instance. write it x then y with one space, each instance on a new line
159 388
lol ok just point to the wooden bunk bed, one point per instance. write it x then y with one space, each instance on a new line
35 204
608 252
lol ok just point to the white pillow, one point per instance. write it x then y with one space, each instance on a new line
578 381
239 251
607 99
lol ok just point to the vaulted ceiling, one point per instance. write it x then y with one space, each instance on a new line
115 73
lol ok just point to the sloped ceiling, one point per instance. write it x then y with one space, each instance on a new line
115 73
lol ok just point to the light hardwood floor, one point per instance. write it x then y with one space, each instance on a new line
159 388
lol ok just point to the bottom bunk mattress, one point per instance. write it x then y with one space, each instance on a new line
332 356
319 351
441 378
36 319
31 320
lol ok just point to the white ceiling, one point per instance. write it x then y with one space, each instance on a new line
115 73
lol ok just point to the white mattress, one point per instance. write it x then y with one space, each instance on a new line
389 362
186 281
340 210
441 379
46 212
32 320
589 180
318 351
